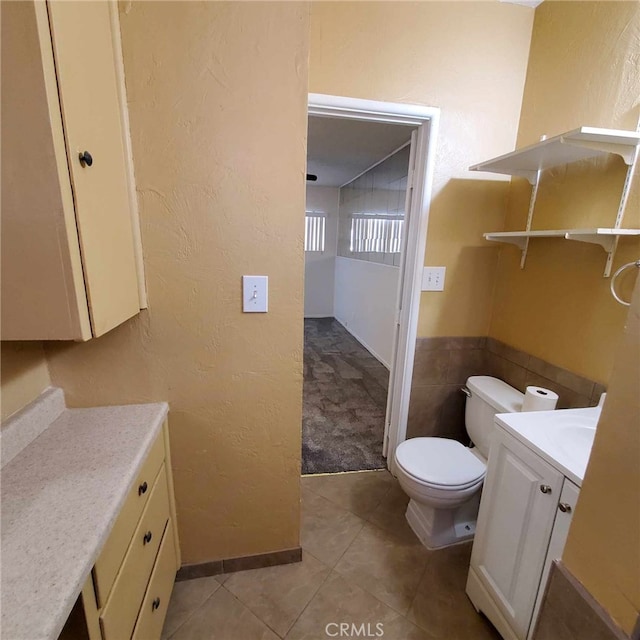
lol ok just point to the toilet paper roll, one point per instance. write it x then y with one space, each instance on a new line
539 399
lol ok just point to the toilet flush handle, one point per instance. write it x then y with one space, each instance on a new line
465 391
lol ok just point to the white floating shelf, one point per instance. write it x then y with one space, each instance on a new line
579 144
606 238
520 238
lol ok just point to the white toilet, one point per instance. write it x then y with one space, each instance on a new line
442 477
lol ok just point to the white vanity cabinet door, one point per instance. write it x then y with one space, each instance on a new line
516 517
566 507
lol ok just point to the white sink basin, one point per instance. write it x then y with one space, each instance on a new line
575 441
563 437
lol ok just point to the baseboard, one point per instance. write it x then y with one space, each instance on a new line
241 563
319 316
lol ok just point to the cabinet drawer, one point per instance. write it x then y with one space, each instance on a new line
156 600
119 614
108 564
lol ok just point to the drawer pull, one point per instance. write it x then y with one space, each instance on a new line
85 159
565 507
155 604
143 488
147 537
545 488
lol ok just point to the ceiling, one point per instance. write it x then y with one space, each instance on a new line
339 149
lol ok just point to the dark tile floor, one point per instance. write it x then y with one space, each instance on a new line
345 399
361 564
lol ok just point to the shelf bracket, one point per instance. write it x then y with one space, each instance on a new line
626 152
608 243
531 176
532 204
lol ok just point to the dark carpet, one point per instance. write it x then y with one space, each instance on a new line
345 398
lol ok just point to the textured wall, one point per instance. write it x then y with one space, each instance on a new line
603 548
583 70
24 375
469 59
217 95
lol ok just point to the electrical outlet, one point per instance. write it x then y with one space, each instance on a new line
433 278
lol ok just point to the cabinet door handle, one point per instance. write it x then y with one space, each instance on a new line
142 488
565 507
545 488
147 537
85 159
155 604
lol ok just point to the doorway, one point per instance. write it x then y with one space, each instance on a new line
420 123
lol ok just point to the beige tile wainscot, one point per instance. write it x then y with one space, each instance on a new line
89 531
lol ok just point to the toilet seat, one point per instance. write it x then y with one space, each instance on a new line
440 463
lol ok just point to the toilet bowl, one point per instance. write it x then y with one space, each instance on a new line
442 477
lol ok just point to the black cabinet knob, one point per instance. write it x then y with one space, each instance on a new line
85 159
142 488
147 537
155 604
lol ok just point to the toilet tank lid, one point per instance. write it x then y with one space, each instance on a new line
501 396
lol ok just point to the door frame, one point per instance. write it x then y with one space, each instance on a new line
419 192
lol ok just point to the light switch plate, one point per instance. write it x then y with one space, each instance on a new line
255 294
433 278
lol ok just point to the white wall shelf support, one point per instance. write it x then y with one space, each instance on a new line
532 205
579 144
625 151
606 238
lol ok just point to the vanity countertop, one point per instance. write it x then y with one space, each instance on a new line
563 437
61 495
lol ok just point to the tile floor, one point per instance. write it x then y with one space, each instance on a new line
361 564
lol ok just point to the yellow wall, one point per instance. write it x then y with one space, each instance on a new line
603 548
24 375
583 70
469 59
217 95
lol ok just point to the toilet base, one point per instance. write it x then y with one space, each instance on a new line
438 528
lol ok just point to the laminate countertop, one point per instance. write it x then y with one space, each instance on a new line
61 495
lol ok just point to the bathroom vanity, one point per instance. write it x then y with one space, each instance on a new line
534 474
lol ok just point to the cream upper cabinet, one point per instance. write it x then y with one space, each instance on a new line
69 254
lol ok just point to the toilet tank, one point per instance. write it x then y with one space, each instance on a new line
488 397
